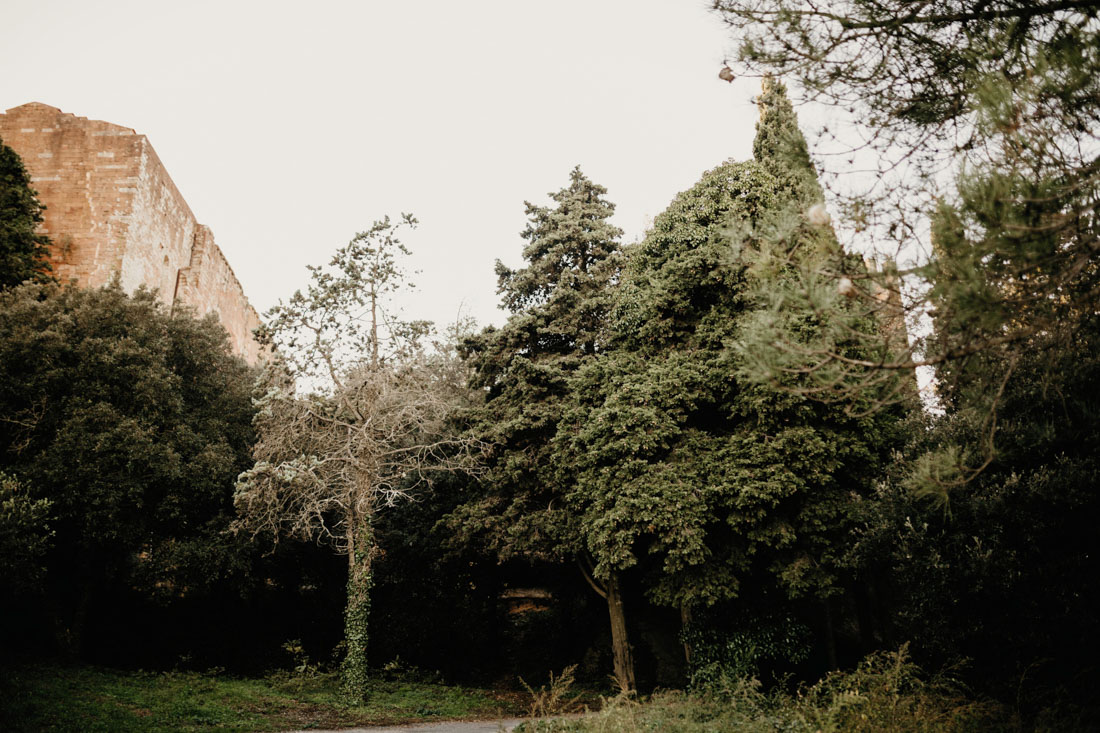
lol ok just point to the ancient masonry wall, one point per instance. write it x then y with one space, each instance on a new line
112 208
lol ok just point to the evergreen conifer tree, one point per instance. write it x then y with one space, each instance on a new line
23 252
981 120
559 301
700 480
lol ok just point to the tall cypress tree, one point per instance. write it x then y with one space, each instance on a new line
780 148
23 252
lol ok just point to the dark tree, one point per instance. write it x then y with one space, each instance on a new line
132 423
25 537
1015 556
708 484
986 117
560 302
23 252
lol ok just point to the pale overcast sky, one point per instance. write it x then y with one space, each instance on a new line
288 127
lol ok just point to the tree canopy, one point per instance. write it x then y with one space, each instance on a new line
132 423
559 302
368 433
682 468
984 119
24 251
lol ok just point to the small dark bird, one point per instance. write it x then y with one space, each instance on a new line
726 74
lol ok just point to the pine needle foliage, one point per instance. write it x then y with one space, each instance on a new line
24 251
559 301
981 122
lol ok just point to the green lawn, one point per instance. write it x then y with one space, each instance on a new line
56 698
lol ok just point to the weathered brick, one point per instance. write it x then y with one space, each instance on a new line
112 209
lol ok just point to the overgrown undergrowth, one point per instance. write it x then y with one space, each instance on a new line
886 693
57 698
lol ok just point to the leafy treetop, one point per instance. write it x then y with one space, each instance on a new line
133 423
679 467
23 251
560 302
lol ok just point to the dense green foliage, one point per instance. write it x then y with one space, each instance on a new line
991 124
559 304
132 423
23 250
438 607
757 642
25 537
1016 557
623 435
711 485
716 426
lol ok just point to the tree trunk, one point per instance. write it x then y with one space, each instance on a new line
685 627
865 618
620 645
830 635
357 612
69 628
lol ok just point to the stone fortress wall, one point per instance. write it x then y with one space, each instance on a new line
112 208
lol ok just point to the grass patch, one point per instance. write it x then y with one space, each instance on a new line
58 698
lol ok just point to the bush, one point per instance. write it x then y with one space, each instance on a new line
25 537
739 653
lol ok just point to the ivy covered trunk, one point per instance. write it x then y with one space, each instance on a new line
357 611
620 644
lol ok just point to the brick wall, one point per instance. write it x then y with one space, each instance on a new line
112 208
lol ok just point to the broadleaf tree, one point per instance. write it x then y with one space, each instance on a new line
25 537
353 416
132 424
